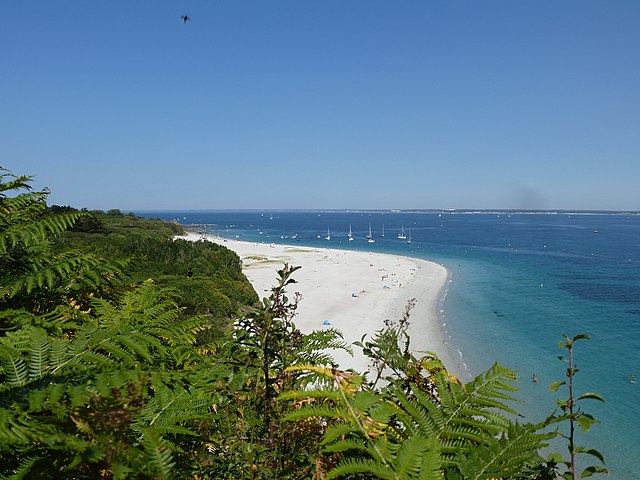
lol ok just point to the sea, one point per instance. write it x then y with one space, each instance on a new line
517 282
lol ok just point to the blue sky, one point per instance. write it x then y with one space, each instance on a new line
324 104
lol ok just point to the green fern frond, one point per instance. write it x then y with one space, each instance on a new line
78 395
9 181
504 457
354 466
171 407
39 353
347 445
158 452
24 470
363 401
318 344
140 345
52 397
477 397
336 432
25 235
411 456
14 369
14 430
422 413
432 462
491 385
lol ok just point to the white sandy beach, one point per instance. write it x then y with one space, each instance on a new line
354 291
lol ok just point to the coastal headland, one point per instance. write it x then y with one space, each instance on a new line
351 291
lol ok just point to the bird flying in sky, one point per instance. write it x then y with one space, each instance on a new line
185 18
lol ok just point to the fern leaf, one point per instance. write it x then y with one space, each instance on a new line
336 432
135 343
419 412
38 353
409 459
24 470
159 453
13 366
353 466
432 462
346 445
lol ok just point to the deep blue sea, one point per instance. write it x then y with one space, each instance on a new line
517 283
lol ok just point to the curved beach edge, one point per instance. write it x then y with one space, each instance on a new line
351 291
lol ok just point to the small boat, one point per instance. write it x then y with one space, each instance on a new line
401 235
328 237
409 241
350 235
370 237
382 231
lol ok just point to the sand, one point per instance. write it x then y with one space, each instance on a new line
353 291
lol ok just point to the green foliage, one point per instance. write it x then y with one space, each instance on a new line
116 396
423 423
34 277
452 431
266 342
196 294
207 276
575 417
108 376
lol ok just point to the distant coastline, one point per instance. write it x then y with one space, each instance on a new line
441 211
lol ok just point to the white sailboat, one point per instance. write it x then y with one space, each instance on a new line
409 241
382 231
401 235
350 235
328 237
370 237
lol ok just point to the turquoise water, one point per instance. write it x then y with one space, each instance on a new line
517 282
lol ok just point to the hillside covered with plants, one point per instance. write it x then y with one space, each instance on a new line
127 354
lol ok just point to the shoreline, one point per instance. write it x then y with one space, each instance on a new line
354 291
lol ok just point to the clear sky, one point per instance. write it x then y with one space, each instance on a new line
324 103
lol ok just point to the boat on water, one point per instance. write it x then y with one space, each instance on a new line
370 237
328 237
409 240
382 231
401 235
350 236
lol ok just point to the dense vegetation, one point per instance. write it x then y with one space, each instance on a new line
161 362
